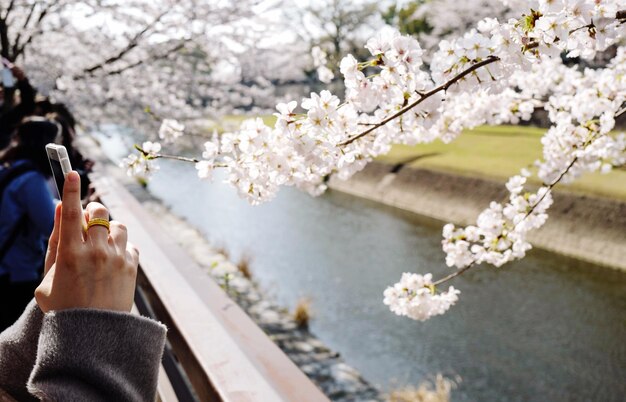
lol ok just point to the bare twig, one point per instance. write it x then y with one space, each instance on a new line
165 156
8 11
454 274
174 157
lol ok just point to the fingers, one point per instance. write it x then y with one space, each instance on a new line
119 236
71 230
132 254
53 242
98 234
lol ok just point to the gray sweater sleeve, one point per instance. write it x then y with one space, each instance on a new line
18 352
96 355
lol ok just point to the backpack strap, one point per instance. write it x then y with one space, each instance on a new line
10 175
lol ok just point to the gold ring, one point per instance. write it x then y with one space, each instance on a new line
99 222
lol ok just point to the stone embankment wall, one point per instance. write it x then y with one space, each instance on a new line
588 228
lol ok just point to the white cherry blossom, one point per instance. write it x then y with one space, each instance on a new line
497 73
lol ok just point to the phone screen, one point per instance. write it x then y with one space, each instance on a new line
59 176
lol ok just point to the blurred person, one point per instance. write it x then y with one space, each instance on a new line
26 214
78 341
42 106
82 165
13 110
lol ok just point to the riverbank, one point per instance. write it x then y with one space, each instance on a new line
588 228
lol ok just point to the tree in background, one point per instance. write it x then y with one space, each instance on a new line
432 20
112 60
404 18
335 27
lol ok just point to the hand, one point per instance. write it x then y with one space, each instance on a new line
18 73
95 269
88 165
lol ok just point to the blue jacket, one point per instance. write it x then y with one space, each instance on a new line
27 195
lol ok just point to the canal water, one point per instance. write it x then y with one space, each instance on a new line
546 328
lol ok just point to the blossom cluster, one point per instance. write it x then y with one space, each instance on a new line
142 165
500 233
171 130
496 73
584 113
320 61
416 297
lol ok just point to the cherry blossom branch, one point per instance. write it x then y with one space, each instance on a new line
48 10
423 96
132 43
151 155
18 37
442 87
530 211
454 274
160 56
620 15
549 187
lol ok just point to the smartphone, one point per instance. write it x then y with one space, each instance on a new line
60 164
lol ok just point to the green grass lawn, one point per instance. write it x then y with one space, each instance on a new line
498 152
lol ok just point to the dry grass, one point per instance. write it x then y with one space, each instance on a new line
223 251
436 391
244 266
302 314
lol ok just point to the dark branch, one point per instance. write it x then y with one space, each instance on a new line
132 43
9 8
142 61
18 50
18 37
442 87
130 66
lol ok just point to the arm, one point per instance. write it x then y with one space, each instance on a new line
15 113
18 352
90 347
27 96
97 355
